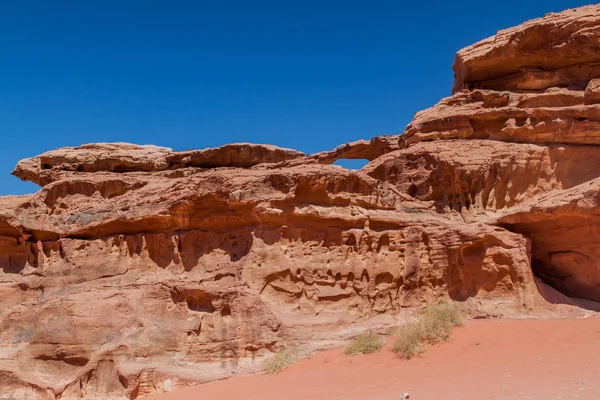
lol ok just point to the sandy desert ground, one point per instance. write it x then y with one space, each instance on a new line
490 359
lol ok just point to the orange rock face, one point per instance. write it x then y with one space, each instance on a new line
137 269
559 50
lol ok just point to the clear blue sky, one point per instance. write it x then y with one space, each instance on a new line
193 74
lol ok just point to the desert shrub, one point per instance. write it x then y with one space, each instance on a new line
434 326
409 340
439 320
280 361
365 343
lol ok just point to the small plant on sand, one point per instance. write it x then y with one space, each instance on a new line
409 340
439 320
434 326
280 361
365 343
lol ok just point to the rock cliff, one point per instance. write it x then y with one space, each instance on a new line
136 269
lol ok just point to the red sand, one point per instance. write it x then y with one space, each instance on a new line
515 359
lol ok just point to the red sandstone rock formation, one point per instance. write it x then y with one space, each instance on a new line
136 269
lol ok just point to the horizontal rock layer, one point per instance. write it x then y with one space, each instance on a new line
556 116
125 157
558 50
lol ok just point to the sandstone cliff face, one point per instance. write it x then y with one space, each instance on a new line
136 269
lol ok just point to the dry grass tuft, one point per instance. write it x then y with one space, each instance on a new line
365 343
280 361
435 326
438 322
409 341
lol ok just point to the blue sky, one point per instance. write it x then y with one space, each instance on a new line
193 74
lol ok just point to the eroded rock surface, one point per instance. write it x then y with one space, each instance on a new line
116 283
534 83
126 157
471 176
560 49
564 227
137 269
